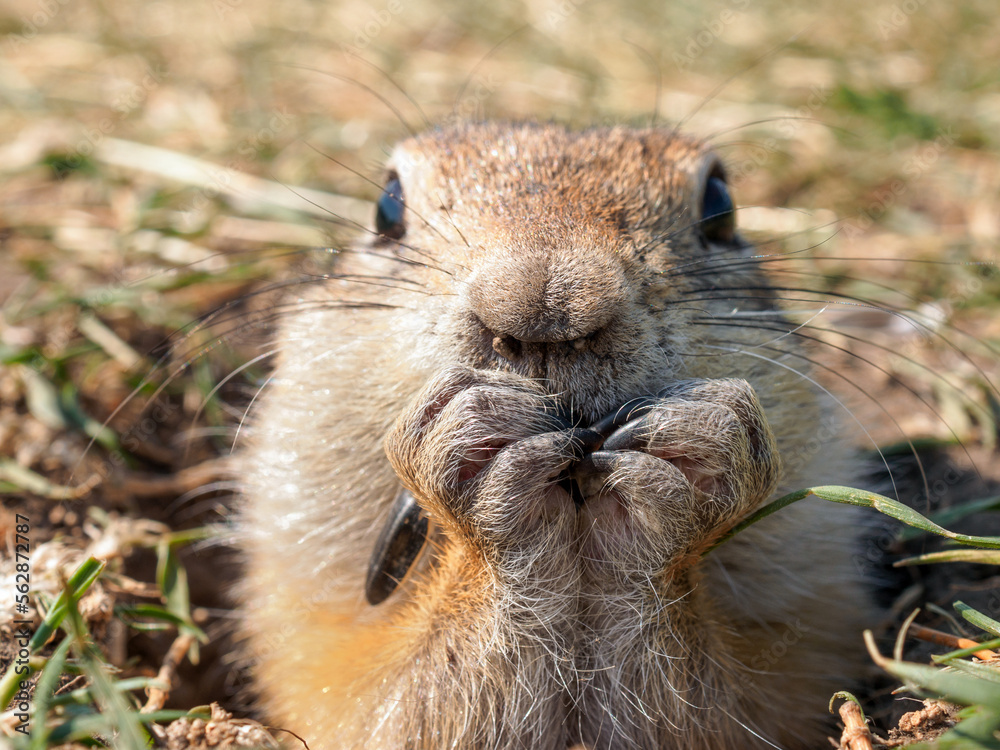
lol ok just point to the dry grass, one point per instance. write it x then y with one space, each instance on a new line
867 130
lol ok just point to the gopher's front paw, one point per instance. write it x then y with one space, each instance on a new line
483 456
679 470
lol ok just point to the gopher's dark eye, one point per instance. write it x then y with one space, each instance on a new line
718 220
389 215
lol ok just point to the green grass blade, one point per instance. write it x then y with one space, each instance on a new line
957 513
964 653
87 725
937 682
978 619
760 514
191 535
48 681
861 499
69 401
18 478
982 556
172 579
76 587
977 670
84 696
129 615
900 512
116 711
845 696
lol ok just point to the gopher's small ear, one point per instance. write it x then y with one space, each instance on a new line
716 211
390 209
397 548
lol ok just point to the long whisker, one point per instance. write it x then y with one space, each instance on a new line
200 352
367 89
654 67
208 397
912 299
475 68
370 181
840 298
930 406
229 486
276 312
392 82
725 83
723 256
328 216
738 348
215 316
722 261
253 399
775 118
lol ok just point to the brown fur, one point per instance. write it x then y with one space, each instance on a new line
529 623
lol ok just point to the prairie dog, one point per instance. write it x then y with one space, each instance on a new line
474 365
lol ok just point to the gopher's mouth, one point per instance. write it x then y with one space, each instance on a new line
405 534
592 439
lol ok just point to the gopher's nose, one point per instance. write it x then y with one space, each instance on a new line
546 297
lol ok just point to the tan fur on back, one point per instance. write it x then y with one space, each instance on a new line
528 622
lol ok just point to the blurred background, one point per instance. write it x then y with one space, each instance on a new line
161 162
